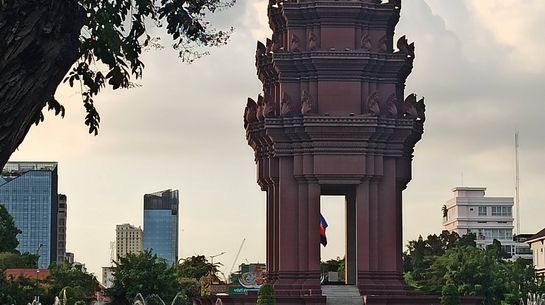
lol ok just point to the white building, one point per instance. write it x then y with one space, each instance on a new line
537 243
128 240
488 218
107 277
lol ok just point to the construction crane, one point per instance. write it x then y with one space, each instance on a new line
236 257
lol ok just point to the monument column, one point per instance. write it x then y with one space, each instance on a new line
351 259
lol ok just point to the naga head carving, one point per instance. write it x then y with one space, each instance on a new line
307 105
250 112
373 104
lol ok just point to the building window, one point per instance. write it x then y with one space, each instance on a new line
508 249
500 234
482 211
501 211
524 250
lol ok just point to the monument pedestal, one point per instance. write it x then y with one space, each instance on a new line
252 300
408 299
414 300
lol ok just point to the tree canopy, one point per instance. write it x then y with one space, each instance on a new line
149 275
143 273
16 260
90 44
452 266
63 280
195 267
266 295
8 231
77 284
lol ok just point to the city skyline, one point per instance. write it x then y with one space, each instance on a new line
478 64
29 192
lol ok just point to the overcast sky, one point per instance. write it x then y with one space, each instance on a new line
480 65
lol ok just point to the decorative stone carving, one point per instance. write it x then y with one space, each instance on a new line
391 106
307 104
413 109
268 46
275 43
396 3
286 106
250 112
382 46
405 48
294 46
260 108
259 52
365 42
268 108
409 107
421 109
373 104
312 43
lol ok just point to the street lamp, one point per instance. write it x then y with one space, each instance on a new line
38 257
37 297
212 257
212 262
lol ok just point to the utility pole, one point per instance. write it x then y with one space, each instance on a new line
36 296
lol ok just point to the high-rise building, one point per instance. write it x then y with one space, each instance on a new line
128 240
61 229
161 224
488 218
28 190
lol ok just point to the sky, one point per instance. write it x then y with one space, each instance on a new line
479 64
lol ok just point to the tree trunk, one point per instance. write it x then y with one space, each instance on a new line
39 42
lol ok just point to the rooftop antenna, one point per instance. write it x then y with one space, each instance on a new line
517 182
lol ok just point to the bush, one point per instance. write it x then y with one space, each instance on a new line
266 295
449 295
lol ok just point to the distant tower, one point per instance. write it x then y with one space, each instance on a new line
128 240
517 183
29 192
161 224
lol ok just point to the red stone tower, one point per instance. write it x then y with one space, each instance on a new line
334 120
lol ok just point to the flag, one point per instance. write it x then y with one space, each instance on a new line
323 226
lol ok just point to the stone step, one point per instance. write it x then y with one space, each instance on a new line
342 295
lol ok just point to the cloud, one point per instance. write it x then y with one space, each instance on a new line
477 97
522 34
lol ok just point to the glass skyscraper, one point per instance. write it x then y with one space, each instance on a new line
28 190
161 224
